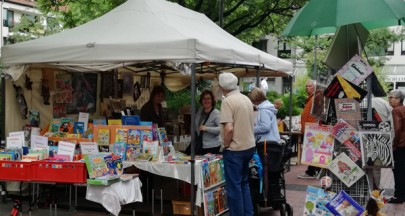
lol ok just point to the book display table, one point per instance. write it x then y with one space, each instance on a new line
115 195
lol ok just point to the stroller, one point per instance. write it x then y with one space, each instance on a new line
272 195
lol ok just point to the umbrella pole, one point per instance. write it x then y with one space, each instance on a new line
266 179
314 76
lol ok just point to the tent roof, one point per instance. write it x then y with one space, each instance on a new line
141 31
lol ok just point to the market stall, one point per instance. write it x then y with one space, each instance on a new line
151 38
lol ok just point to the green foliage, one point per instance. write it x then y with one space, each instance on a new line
248 20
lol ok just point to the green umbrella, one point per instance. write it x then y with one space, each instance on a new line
324 16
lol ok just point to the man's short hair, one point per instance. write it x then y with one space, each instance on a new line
228 81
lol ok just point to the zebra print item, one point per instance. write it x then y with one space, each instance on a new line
376 148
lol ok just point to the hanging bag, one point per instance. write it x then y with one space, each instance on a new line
198 139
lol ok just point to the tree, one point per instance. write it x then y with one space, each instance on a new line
245 19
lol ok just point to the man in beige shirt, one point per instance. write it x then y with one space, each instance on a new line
239 144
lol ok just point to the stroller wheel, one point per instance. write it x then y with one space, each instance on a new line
289 209
283 210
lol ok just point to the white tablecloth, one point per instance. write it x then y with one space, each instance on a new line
175 171
115 195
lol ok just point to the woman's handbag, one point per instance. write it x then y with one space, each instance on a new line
198 140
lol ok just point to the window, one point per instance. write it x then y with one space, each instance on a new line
390 49
284 50
403 47
261 45
8 18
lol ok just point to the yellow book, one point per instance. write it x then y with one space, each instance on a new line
114 122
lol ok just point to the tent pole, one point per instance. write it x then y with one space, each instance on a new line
314 75
257 77
192 133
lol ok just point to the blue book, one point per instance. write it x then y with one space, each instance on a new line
99 122
120 149
131 120
343 204
78 128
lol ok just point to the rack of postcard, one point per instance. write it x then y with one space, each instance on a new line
345 145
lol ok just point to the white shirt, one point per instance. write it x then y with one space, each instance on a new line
264 86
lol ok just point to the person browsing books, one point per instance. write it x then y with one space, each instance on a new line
396 100
239 144
306 117
152 110
207 124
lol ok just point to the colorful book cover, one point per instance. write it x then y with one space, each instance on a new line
114 122
162 134
206 174
318 145
96 165
65 124
134 137
168 152
78 128
348 109
103 137
101 121
316 199
343 204
376 148
121 135
146 136
54 125
151 148
349 137
144 157
72 135
120 149
209 203
213 172
356 70
345 169
114 164
133 152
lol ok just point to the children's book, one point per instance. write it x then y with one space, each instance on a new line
146 136
342 204
144 157
376 148
54 125
134 137
103 137
121 135
162 134
133 152
206 174
167 151
114 164
78 128
131 120
104 180
114 122
346 170
120 149
318 145
84 117
316 200
151 148
209 203
96 165
65 124
101 121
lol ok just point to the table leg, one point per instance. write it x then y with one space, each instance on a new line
299 146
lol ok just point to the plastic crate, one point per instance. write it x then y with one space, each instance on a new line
60 172
15 170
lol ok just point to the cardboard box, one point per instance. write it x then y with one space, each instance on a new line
181 206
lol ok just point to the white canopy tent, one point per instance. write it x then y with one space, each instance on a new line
139 31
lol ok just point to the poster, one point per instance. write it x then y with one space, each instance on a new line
318 145
84 93
316 200
348 109
376 148
349 138
346 170
343 204
356 70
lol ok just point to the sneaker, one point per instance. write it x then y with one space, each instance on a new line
305 176
395 200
